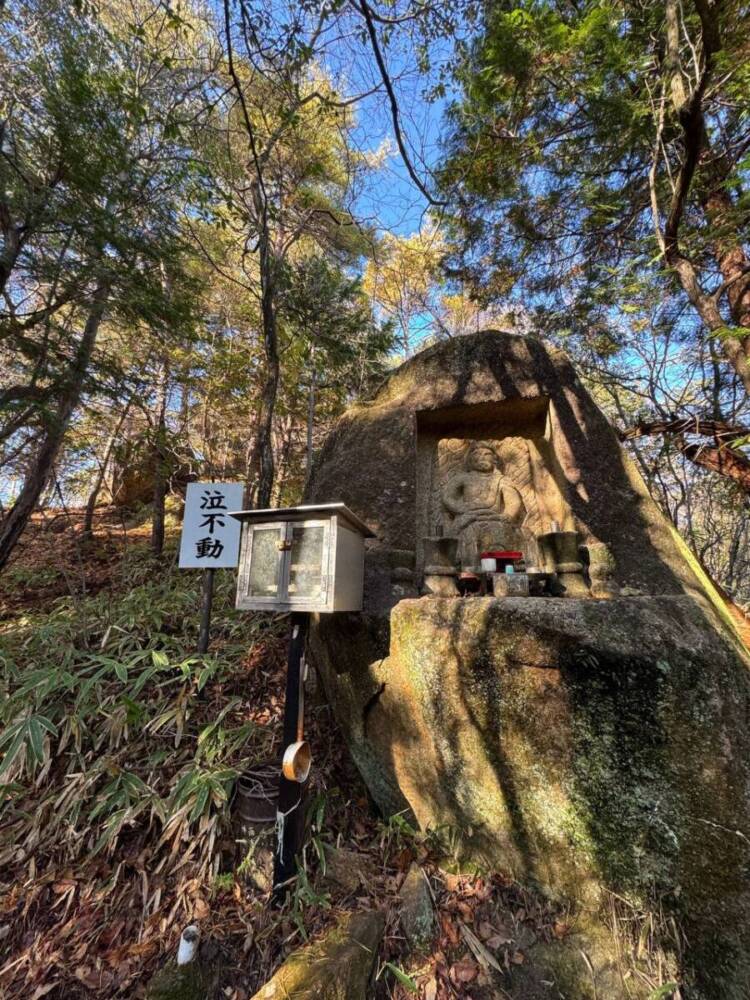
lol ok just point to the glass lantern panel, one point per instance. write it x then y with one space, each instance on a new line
306 564
264 563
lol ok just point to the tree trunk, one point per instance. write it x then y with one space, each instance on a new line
160 460
715 201
736 349
283 459
733 263
719 456
185 405
11 251
41 468
88 521
731 464
310 416
261 461
735 271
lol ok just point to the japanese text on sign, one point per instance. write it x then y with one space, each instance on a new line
210 537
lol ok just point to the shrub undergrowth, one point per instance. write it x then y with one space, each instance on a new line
113 727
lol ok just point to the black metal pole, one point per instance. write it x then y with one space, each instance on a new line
290 810
207 597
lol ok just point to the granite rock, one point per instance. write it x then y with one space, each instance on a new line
416 909
337 967
587 746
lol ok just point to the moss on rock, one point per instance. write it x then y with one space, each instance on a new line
181 982
586 746
337 967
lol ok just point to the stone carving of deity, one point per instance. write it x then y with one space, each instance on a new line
486 510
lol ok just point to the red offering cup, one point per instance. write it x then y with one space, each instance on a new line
503 558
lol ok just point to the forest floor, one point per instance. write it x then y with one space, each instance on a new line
119 752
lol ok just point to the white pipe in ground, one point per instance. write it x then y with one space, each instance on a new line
188 945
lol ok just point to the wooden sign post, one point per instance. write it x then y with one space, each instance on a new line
210 539
207 600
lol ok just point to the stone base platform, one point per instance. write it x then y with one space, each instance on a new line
587 747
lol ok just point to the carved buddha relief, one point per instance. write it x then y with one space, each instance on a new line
493 494
484 508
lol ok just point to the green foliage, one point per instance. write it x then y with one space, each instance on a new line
398 832
305 897
100 722
90 172
402 977
127 177
575 195
551 154
664 992
325 310
224 882
26 736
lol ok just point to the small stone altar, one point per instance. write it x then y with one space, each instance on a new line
593 741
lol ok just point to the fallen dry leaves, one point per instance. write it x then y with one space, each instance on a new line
96 927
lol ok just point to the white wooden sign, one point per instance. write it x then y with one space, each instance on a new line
210 537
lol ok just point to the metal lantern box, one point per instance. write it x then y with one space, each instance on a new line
301 559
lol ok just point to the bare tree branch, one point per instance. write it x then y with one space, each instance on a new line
366 12
719 457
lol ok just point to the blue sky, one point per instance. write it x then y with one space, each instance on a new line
391 197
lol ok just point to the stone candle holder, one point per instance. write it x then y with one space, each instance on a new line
560 554
440 553
602 571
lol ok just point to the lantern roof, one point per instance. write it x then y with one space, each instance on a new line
303 513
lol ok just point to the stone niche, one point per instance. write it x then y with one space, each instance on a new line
487 475
596 749
389 458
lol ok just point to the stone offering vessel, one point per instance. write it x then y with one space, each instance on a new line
440 556
595 746
560 555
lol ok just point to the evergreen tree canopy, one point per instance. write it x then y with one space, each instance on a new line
599 156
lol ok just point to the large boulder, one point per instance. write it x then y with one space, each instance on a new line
587 747
385 455
595 748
